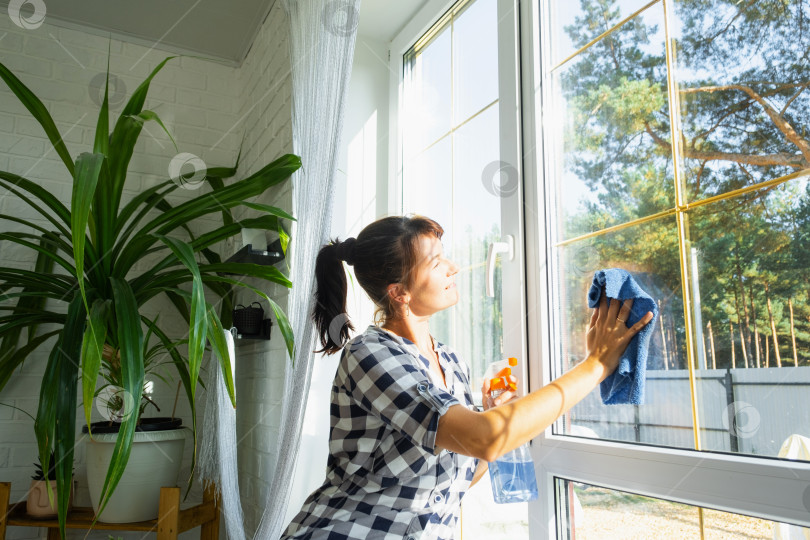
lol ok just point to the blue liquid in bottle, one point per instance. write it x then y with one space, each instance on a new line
513 478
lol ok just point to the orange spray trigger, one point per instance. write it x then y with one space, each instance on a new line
505 372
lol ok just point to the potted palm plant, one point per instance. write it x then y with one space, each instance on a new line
103 258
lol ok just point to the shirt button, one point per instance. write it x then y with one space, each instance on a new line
438 498
421 387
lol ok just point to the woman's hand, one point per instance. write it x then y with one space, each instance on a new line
506 395
608 334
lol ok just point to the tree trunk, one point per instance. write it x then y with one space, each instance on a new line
756 328
731 335
773 328
767 352
739 322
705 357
748 333
711 342
793 333
663 337
675 346
742 344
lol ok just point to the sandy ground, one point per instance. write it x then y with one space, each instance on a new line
610 515
618 516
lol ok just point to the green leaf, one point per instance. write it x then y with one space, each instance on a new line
101 143
149 196
219 345
284 238
124 136
12 182
214 178
281 317
92 347
52 283
130 342
40 114
197 324
199 244
270 273
90 169
9 362
274 210
270 175
56 418
31 300
146 116
43 253
286 329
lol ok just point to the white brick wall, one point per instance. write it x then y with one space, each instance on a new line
208 108
265 118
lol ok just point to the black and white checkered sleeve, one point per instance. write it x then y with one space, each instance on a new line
388 383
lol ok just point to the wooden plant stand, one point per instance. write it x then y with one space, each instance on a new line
171 521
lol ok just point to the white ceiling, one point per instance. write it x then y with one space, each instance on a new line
222 29
211 28
382 20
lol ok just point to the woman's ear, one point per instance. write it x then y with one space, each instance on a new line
397 294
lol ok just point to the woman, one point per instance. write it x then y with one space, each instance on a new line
406 441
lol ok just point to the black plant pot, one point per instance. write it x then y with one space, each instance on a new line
162 423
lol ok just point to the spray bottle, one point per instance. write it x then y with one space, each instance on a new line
512 475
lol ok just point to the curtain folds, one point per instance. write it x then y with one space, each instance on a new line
322 36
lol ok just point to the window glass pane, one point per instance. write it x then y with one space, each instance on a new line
475 59
428 188
428 98
650 253
752 271
745 106
477 223
577 23
459 181
612 162
482 519
593 513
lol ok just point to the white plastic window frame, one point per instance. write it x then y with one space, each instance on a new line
758 486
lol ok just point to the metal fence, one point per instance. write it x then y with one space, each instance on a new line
750 411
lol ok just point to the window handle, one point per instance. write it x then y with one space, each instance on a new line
507 246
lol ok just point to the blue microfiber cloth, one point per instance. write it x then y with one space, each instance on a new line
626 384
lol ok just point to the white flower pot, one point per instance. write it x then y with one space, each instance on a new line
153 463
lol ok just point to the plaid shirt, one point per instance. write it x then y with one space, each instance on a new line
384 479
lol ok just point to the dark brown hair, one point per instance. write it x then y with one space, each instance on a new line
383 253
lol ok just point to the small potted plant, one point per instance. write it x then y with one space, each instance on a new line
41 504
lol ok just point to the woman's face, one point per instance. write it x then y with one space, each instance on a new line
433 288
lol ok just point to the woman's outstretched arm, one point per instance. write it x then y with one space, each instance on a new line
490 434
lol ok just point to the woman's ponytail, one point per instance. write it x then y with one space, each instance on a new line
329 313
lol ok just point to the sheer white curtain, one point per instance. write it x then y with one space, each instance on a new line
322 35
